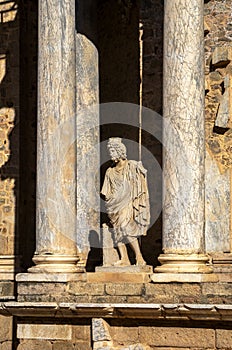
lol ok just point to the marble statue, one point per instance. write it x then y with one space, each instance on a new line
127 201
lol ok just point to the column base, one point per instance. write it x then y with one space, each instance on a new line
55 264
183 263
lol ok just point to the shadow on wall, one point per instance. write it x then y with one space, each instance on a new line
28 129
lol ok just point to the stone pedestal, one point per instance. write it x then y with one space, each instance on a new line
56 156
183 139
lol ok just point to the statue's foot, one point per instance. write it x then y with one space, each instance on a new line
141 262
122 263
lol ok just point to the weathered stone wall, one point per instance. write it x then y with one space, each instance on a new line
148 334
113 334
9 150
18 81
218 41
88 291
218 69
6 329
9 118
61 336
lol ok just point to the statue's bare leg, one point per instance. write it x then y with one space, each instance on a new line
136 248
124 261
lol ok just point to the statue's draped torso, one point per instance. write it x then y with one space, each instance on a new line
127 200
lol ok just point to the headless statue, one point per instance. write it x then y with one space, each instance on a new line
127 201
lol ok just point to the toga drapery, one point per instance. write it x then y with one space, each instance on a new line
127 200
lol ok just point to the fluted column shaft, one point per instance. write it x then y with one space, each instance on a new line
183 138
56 246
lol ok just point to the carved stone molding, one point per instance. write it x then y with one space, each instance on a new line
54 263
214 312
186 263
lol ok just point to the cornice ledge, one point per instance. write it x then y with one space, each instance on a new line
204 312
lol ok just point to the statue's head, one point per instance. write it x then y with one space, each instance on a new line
116 148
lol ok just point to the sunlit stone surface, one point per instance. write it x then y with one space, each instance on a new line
183 206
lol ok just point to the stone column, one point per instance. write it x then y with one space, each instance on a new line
56 160
183 139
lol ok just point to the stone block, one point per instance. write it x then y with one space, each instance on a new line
131 269
118 277
222 54
177 337
79 288
81 332
215 77
6 288
44 331
103 345
134 299
3 244
41 288
183 277
225 277
125 335
44 277
224 111
109 299
35 345
178 348
135 347
71 298
124 289
217 289
6 329
174 289
7 345
82 346
62 345
100 330
223 339
218 299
